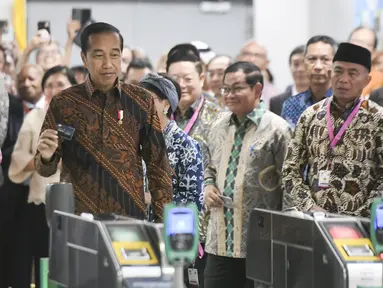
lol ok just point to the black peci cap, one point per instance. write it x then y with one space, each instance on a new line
352 53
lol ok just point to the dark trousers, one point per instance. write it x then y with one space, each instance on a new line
225 272
200 266
31 246
13 201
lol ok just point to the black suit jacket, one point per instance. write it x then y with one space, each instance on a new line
15 120
377 96
276 103
10 193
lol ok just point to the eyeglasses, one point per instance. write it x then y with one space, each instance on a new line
234 90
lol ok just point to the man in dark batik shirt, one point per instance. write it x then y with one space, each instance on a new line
116 127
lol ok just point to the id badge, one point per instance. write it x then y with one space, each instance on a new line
324 178
193 277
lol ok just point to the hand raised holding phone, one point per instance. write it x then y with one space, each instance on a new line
42 37
73 27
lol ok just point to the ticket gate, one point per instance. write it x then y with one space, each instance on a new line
89 253
297 250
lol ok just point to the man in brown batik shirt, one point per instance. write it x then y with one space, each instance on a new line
116 126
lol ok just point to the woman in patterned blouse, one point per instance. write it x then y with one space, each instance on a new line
184 153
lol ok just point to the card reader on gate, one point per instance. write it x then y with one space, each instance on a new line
358 250
181 232
376 225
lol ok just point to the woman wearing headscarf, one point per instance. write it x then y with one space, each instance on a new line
183 152
34 233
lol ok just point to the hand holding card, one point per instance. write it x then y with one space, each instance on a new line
47 144
227 201
65 132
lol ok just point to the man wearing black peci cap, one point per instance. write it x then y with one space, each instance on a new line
340 140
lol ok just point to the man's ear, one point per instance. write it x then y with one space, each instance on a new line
368 80
258 89
202 78
84 60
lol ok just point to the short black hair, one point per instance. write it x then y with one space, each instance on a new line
367 28
252 72
322 38
81 69
59 69
220 56
297 50
139 63
97 28
185 53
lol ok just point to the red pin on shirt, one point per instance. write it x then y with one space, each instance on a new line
120 116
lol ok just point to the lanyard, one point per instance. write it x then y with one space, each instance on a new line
192 120
335 140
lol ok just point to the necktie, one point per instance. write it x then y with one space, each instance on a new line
231 173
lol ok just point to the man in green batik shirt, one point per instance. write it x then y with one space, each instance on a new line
247 147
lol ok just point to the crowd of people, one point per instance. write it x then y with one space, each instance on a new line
197 127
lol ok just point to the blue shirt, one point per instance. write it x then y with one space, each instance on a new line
185 158
297 104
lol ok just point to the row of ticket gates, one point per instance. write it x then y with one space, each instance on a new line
285 250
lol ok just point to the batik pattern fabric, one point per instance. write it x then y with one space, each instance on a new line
217 100
257 174
294 106
103 161
202 125
199 132
185 158
356 162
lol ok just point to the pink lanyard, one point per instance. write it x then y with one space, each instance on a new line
335 140
200 251
192 120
